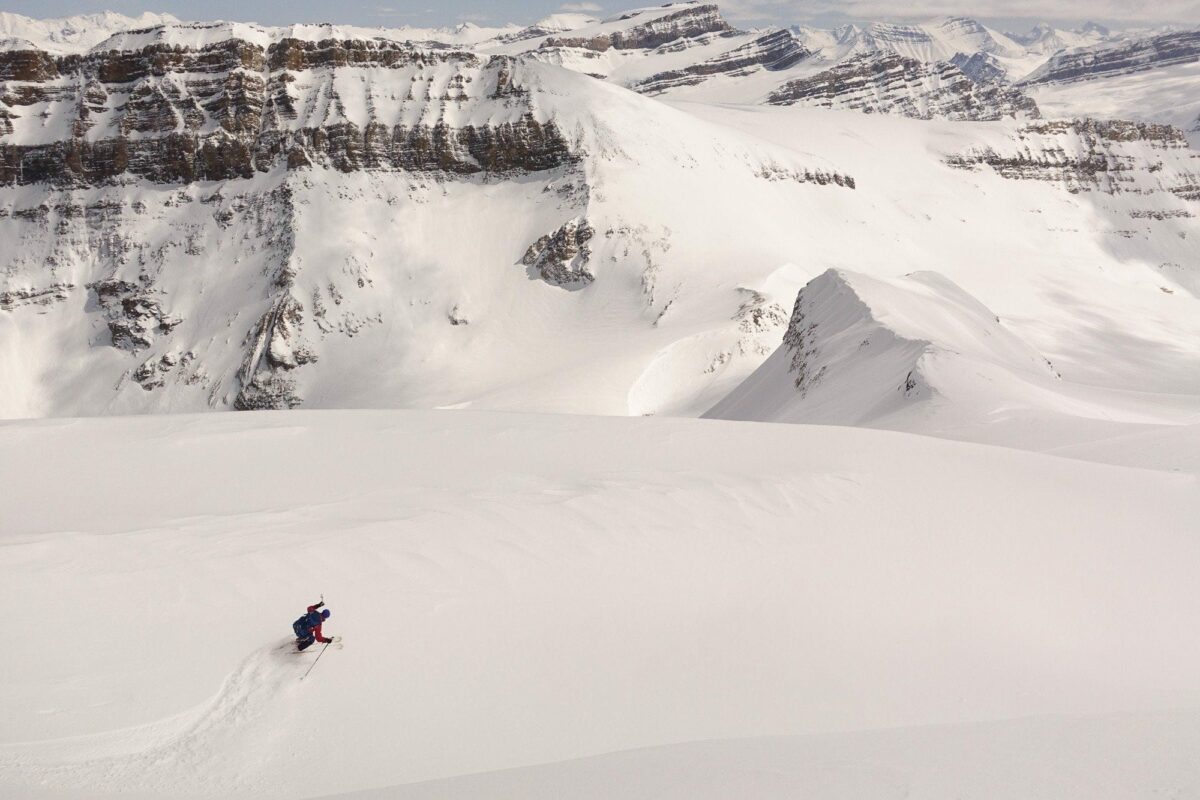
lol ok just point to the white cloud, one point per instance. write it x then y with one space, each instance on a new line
582 7
1186 11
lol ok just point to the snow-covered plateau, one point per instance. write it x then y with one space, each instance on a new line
665 409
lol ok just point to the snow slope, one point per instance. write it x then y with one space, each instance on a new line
519 590
989 761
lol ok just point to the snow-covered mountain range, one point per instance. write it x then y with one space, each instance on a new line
606 216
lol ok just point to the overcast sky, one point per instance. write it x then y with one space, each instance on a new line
1012 14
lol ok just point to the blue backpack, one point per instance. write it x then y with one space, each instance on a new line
303 626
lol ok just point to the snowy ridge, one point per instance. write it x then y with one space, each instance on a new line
921 354
860 350
71 34
773 52
1049 40
108 30
931 42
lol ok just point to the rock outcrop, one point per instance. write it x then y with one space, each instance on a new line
892 84
775 51
980 67
176 114
1110 156
561 258
134 313
34 296
688 22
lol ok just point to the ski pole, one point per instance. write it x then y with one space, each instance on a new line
315 660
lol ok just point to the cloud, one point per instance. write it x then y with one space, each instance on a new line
1109 10
584 7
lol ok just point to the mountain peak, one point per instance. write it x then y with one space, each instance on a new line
861 351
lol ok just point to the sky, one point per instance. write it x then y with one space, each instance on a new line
1017 15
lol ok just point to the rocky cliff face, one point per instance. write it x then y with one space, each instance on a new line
1093 155
774 52
1109 60
982 68
190 105
170 113
892 84
691 21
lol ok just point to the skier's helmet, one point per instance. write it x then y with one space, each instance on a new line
325 614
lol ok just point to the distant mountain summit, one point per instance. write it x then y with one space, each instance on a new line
71 34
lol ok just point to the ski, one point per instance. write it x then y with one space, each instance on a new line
335 643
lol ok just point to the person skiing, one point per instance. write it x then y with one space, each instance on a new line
308 627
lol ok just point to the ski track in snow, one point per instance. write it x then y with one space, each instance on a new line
153 756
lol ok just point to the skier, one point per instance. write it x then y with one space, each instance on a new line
308 627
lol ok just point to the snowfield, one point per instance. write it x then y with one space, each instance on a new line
989 760
517 590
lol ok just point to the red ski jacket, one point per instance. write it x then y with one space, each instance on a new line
316 629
